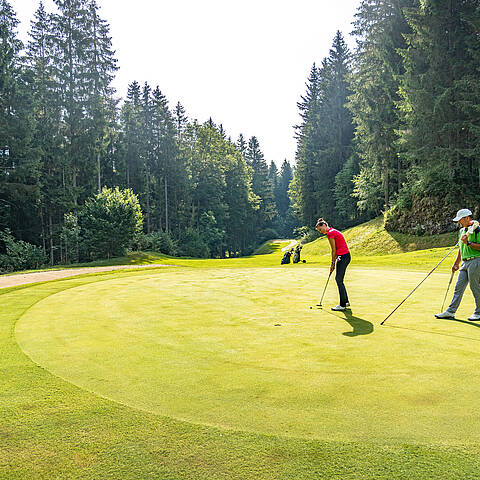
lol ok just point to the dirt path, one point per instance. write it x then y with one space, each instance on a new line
24 278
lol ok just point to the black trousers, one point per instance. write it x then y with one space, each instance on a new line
342 264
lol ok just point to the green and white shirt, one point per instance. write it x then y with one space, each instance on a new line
466 251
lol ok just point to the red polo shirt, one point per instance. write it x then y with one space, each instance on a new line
340 242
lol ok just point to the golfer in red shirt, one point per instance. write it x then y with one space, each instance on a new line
340 259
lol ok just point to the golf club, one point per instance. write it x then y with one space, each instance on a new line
324 290
448 288
429 273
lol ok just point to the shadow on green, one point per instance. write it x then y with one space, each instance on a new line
359 325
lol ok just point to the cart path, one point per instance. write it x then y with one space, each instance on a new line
26 278
290 245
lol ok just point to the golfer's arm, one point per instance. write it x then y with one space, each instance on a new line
475 246
334 249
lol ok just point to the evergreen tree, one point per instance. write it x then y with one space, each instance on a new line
70 35
380 26
102 65
131 120
261 185
241 144
47 138
324 137
19 160
180 119
303 191
440 112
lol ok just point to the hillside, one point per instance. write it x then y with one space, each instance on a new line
371 238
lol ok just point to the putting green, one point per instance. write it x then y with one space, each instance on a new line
240 349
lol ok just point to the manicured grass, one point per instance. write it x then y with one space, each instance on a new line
220 370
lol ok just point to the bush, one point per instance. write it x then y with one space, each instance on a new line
193 245
109 223
19 255
157 242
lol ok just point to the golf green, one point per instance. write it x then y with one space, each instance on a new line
240 349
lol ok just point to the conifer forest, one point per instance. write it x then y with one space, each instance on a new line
392 127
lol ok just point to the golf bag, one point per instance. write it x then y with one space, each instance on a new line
296 255
286 257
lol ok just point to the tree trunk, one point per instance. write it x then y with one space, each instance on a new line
166 206
50 225
99 174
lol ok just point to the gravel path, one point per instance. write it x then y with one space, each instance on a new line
24 278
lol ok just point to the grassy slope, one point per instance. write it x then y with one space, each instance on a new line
371 239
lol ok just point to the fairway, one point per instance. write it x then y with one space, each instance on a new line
240 349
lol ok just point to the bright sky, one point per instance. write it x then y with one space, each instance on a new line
244 63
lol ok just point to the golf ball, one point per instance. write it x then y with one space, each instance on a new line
310 307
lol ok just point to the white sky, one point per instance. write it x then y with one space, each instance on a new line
244 63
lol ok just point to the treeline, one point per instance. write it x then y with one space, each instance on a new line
64 135
395 125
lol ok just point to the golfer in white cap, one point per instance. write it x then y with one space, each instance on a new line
469 270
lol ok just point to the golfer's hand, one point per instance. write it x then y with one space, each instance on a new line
464 238
332 267
455 267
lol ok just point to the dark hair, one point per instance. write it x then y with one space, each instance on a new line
321 222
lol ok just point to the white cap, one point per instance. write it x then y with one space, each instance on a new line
464 212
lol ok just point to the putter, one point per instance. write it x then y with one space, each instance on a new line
448 288
324 290
429 273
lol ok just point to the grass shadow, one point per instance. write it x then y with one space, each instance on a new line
359 325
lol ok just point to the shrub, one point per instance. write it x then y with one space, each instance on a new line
157 242
19 255
109 222
193 245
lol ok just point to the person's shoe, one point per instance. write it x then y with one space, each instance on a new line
338 308
474 318
445 314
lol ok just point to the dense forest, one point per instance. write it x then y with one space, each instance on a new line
65 136
392 127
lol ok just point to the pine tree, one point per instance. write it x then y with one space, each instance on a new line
241 144
261 185
303 190
436 88
180 119
380 27
47 137
70 34
101 65
324 137
19 161
131 120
